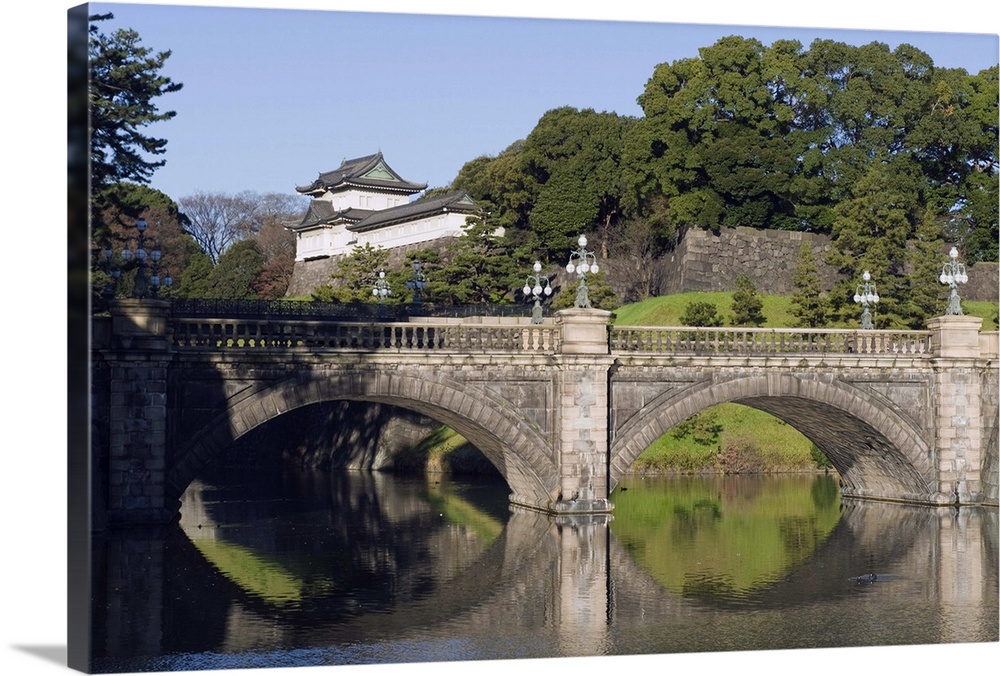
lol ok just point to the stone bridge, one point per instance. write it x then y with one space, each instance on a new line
562 409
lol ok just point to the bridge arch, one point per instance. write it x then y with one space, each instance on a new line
513 446
878 453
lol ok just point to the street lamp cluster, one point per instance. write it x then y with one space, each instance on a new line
952 274
381 289
417 282
146 284
586 262
533 289
868 297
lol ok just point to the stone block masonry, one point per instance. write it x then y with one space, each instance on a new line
705 261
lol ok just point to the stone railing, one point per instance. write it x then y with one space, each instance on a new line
989 344
757 341
312 335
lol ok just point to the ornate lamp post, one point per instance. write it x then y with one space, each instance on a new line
145 284
381 289
868 297
417 282
586 262
108 263
533 288
953 274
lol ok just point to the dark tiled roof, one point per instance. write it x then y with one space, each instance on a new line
371 172
321 211
455 201
360 220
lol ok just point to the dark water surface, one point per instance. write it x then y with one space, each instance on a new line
303 569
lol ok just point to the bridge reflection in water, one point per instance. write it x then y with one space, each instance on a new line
312 569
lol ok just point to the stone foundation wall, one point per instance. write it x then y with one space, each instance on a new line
984 282
703 261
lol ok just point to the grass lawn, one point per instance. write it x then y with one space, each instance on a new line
667 310
782 448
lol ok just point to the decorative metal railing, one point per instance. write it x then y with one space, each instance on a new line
314 335
757 341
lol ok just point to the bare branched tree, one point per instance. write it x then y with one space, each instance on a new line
634 267
218 220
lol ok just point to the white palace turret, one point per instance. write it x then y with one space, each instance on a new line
365 202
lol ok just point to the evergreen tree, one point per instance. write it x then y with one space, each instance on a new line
747 304
195 280
700 313
355 276
808 299
125 82
235 275
927 296
870 233
478 267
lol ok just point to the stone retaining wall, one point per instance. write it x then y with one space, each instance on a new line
704 261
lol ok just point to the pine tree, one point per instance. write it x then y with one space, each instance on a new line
700 313
355 276
870 233
125 82
809 304
237 271
927 296
747 304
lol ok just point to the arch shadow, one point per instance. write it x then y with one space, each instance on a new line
521 455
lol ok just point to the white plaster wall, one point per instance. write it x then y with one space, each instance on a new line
414 232
359 199
323 242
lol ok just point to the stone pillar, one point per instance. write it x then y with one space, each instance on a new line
584 362
138 358
958 407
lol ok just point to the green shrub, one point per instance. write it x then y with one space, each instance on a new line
701 313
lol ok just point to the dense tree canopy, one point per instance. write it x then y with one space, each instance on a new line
779 136
877 147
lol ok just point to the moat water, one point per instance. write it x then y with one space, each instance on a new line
281 569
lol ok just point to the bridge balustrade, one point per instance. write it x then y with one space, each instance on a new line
758 341
309 335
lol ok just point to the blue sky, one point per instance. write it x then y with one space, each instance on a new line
272 97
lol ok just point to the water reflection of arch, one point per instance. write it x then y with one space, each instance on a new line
875 449
527 570
870 537
515 446
512 572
